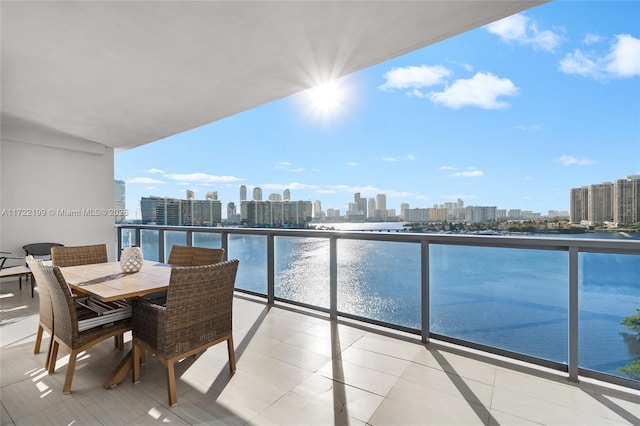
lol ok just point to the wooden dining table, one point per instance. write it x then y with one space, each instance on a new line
107 282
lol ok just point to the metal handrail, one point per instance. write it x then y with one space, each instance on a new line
573 246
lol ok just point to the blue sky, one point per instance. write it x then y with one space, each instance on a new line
512 115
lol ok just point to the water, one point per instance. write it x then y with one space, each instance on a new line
514 299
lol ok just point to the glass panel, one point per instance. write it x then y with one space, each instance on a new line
128 237
171 238
514 299
380 280
302 270
609 291
207 239
252 270
150 250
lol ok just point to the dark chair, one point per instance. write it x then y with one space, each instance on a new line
40 250
79 255
69 317
198 314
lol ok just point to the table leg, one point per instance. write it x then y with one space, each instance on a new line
121 371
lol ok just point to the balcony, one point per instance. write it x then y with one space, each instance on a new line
297 366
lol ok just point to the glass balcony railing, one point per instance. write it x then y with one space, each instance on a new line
555 302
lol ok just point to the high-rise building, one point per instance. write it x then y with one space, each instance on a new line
617 202
294 214
212 195
600 203
176 212
243 193
286 195
626 200
190 195
403 211
579 205
317 210
275 197
233 217
257 193
120 201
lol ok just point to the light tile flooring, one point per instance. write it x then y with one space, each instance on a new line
296 368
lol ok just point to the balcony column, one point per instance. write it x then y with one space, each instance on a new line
333 277
271 269
573 313
424 290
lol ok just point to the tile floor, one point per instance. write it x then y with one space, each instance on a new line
295 368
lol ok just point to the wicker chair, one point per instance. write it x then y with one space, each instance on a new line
83 255
46 308
66 313
187 256
194 256
79 255
198 314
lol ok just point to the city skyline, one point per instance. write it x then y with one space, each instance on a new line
513 114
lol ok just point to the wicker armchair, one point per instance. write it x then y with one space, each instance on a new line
66 315
198 314
187 256
79 255
194 256
83 255
45 322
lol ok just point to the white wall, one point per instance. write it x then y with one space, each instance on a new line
40 176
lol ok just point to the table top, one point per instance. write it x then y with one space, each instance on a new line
107 282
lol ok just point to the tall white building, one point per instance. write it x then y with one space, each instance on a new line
257 194
243 193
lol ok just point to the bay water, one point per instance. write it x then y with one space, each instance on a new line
514 299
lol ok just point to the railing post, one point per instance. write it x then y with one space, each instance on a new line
573 314
224 241
424 289
333 277
271 269
161 245
189 238
138 232
119 242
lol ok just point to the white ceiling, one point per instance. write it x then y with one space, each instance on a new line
125 73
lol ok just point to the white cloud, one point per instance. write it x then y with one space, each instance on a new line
446 168
482 90
390 159
622 60
200 178
286 165
530 127
567 160
523 30
143 180
414 77
352 164
468 173
291 186
591 38
411 157
154 170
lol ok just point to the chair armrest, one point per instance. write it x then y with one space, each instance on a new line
147 320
